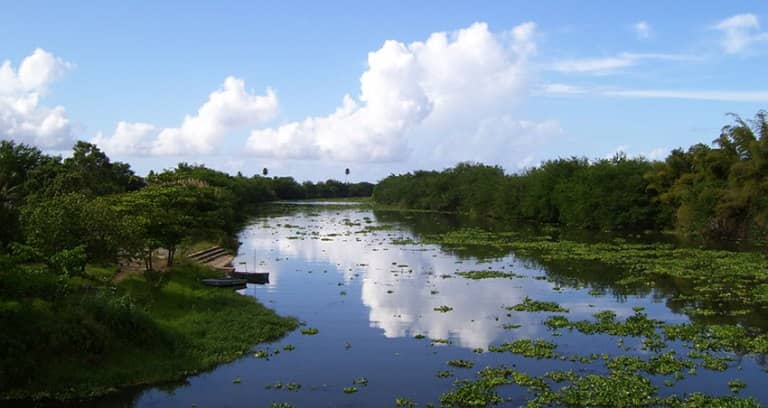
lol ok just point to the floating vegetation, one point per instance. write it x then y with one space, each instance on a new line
261 354
350 390
615 389
736 279
461 363
488 274
469 393
444 374
289 347
404 402
310 331
527 348
530 305
736 385
384 227
403 241
360 381
443 309
511 326
710 361
660 364
286 386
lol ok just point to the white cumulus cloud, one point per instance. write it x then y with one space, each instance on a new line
22 118
450 78
229 108
740 32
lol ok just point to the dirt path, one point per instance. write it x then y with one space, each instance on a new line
159 262
129 267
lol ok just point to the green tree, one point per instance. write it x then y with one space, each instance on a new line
89 171
20 175
162 215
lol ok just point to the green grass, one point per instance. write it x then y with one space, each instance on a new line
178 329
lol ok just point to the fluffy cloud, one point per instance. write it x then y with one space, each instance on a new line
497 139
229 108
21 116
642 29
128 138
740 32
450 78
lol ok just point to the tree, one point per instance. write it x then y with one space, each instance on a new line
162 215
346 175
19 177
264 172
64 222
89 171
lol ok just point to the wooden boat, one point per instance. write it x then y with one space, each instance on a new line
222 282
251 277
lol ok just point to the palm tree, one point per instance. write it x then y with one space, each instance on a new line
745 146
346 175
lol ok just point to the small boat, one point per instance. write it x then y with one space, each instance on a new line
251 277
222 282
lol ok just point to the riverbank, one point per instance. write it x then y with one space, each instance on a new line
100 336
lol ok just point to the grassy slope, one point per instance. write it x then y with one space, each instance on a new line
200 327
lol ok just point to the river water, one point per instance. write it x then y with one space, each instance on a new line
357 277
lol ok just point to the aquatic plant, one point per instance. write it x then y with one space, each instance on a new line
487 274
461 363
530 305
736 385
404 402
527 348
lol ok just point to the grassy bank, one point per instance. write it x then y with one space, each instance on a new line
93 336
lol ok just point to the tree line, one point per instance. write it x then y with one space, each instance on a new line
717 191
88 208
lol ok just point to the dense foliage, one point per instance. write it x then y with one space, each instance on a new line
715 192
61 314
606 194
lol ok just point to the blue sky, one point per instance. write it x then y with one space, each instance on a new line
245 85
